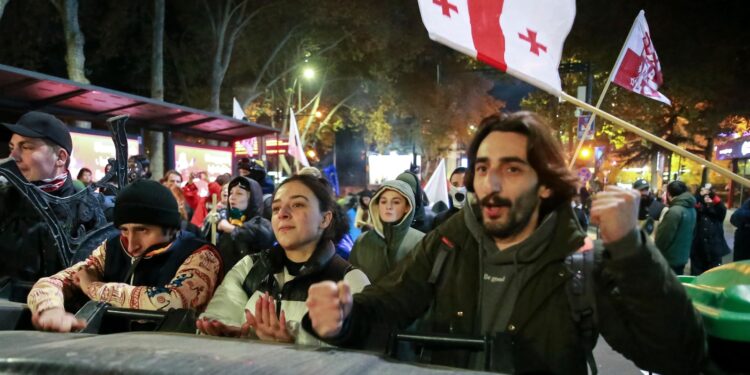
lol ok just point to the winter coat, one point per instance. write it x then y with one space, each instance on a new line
255 233
422 220
379 250
655 327
27 249
675 232
709 244
741 220
232 297
181 274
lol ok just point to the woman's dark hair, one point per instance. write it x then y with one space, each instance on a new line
223 179
544 152
170 172
82 171
361 195
459 170
322 190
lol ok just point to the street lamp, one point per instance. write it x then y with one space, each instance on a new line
308 73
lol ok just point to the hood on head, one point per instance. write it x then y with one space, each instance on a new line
401 188
413 182
685 199
255 203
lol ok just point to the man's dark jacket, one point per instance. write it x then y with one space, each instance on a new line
27 250
643 311
675 233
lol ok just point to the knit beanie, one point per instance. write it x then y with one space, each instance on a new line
146 202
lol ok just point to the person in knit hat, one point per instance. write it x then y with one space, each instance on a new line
151 265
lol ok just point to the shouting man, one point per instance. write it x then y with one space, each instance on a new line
498 268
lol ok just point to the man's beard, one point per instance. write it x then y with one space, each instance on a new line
519 213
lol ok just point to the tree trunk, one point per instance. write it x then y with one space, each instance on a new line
227 26
74 39
157 52
3 3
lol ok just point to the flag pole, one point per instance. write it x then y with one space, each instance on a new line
586 130
611 77
654 139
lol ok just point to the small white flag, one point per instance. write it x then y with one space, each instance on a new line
295 144
250 144
436 188
237 111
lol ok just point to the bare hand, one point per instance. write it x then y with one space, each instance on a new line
84 277
57 320
328 305
225 227
216 328
267 327
615 212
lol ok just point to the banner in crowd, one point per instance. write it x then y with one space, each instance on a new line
296 149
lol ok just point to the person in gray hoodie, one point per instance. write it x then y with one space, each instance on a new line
674 235
243 229
391 212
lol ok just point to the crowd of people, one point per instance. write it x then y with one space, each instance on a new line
289 263
687 227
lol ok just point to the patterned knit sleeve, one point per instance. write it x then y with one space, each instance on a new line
192 286
50 292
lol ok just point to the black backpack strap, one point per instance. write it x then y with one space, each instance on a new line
445 247
580 291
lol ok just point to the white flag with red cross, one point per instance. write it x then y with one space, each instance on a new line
523 38
295 143
637 68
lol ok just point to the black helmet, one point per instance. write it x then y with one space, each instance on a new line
641 184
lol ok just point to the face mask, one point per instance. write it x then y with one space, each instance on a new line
458 195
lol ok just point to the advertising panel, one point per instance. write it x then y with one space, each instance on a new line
92 151
192 159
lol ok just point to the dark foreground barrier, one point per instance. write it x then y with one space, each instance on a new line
30 352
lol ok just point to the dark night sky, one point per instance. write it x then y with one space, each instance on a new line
702 45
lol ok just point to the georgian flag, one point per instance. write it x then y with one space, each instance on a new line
295 144
523 38
637 68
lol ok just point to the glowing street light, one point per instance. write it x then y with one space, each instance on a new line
311 154
308 73
318 114
585 153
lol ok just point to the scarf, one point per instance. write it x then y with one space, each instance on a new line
52 184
